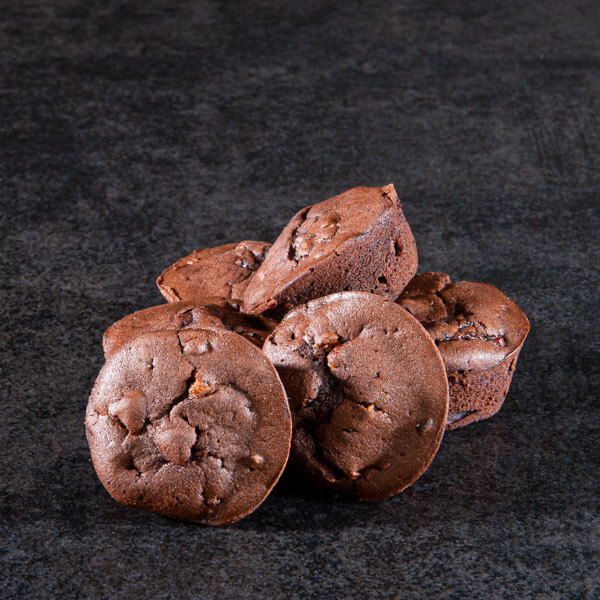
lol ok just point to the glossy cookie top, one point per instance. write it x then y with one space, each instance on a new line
358 240
223 271
367 390
192 424
474 325
216 313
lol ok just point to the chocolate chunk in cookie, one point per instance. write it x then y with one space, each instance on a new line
192 424
359 240
215 313
223 271
479 333
367 391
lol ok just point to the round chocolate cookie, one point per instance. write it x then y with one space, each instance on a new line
223 271
367 391
192 424
215 313
479 333
359 240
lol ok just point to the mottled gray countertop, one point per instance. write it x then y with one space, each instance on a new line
133 132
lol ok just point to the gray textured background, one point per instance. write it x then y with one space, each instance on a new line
132 133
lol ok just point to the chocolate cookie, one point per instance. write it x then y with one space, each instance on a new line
367 391
223 272
479 333
358 240
194 425
215 313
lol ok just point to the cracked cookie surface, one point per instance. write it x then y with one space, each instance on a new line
215 313
367 391
192 424
223 271
479 333
358 240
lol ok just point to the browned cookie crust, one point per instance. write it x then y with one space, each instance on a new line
223 272
215 313
367 390
194 425
359 240
479 333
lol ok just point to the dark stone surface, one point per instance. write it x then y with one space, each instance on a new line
132 133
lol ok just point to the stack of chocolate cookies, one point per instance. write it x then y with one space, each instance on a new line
323 348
